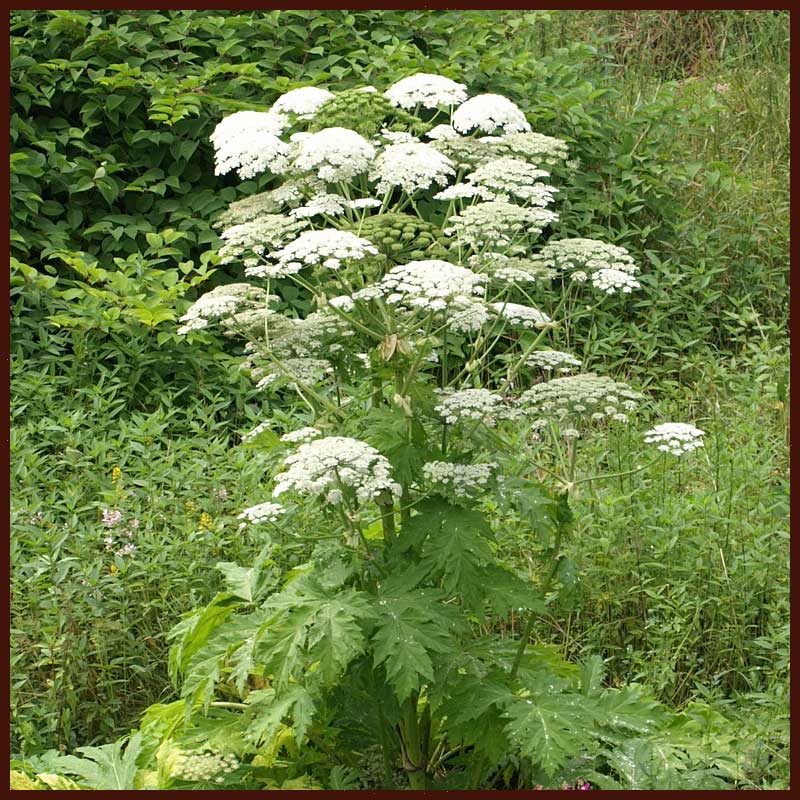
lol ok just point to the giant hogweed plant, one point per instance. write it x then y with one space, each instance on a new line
404 299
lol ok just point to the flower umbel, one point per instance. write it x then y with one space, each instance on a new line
676 438
263 512
584 396
335 154
489 112
327 467
328 247
427 91
467 404
248 142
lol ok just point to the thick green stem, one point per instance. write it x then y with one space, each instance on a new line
413 757
386 505
523 642
383 733
475 778
377 391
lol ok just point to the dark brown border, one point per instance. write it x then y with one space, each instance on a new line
464 4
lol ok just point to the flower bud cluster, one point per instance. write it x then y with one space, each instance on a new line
203 766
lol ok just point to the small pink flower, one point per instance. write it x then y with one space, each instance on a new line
111 517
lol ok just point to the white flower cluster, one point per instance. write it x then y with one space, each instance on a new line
549 360
466 152
251 322
325 203
328 247
412 166
396 137
610 280
246 209
220 302
676 438
509 269
264 512
202 766
295 371
526 316
579 396
489 112
364 202
335 154
463 191
496 224
292 192
426 90
533 147
248 142
467 404
298 337
301 435
430 284
327 467
510 177
442 132
258 236
585 255
303 101
344 302
256 432
467 315
462 480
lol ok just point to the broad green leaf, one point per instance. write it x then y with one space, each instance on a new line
268 709
193 631
409 629
592 673
549 729
629 709
312 627
456 549
505 592
206 665
106 767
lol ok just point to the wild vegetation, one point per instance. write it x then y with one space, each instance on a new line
321 480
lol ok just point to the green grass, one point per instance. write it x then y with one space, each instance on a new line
88 625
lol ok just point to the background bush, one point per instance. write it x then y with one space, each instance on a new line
679 124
